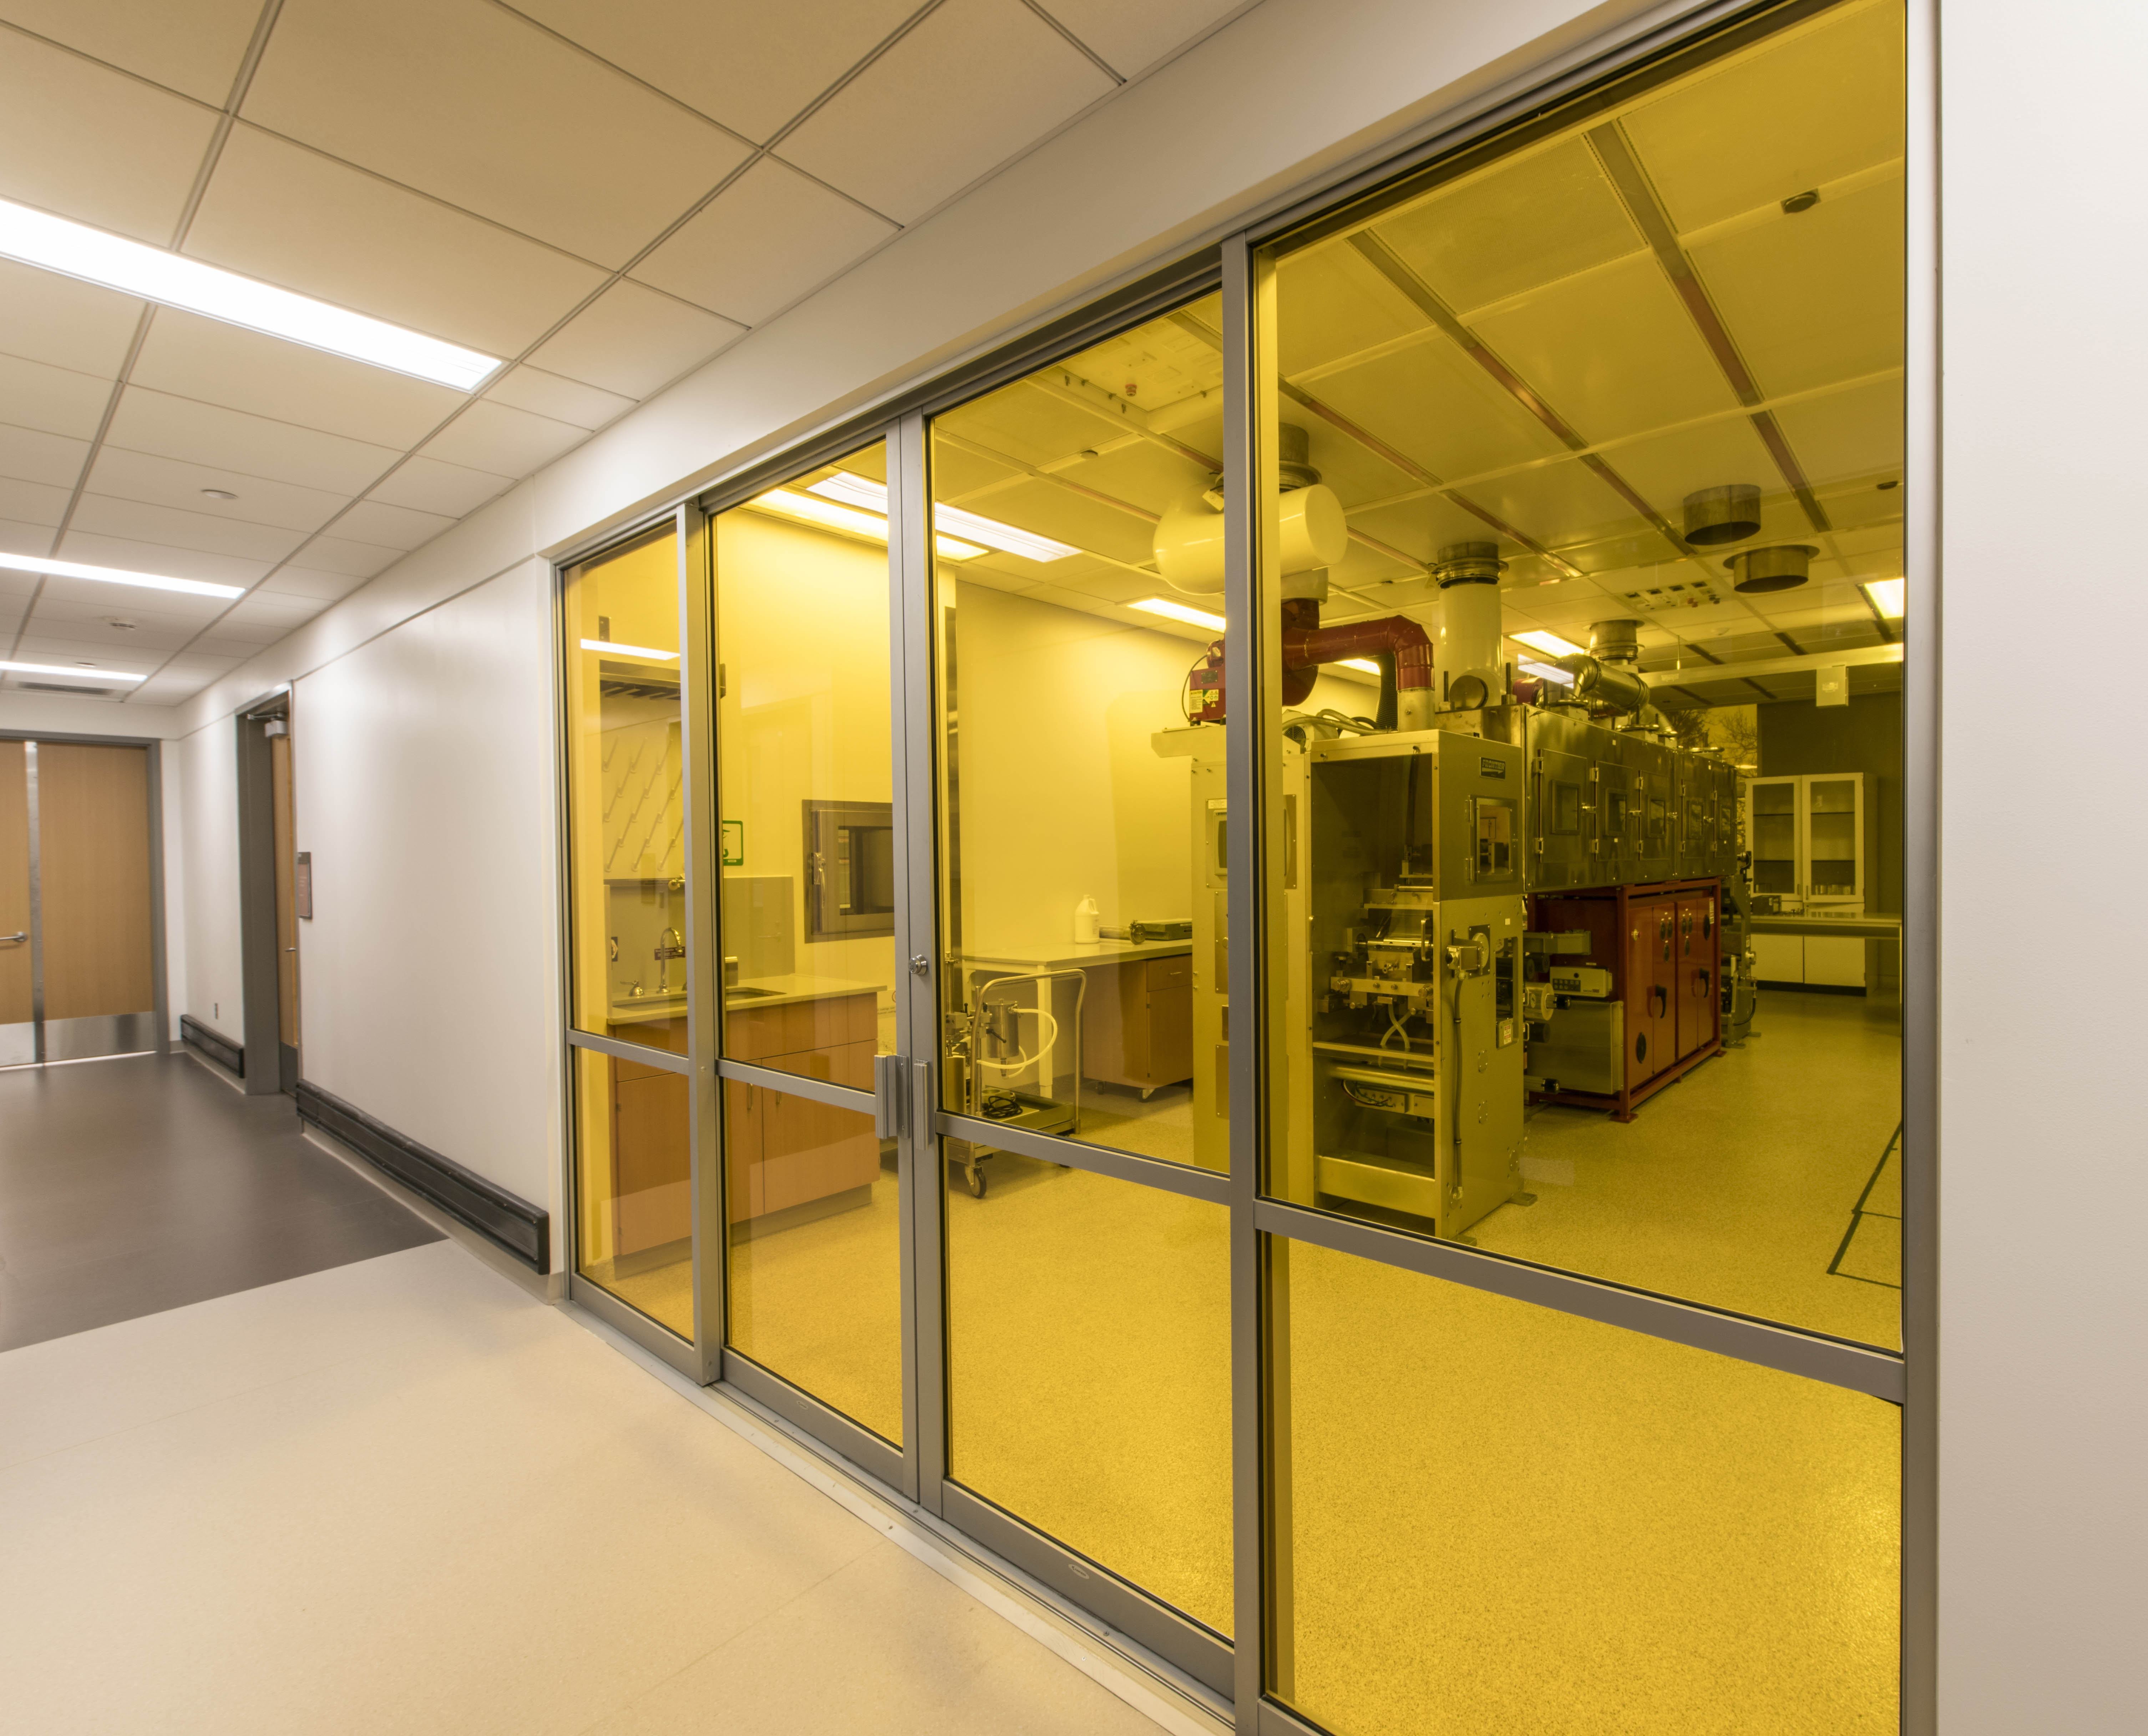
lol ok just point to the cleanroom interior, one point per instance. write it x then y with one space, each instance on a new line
1605 422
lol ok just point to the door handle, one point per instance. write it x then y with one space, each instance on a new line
15 938
887 1096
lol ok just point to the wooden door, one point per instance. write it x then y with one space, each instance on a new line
15 1008
93 851
1642 1055
1699 974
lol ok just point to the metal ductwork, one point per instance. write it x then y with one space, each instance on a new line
1782 566
1726 514
1470 660
1311 533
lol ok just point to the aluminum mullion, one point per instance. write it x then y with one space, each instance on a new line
796 1084
669 1061
703 935
37 906
1179 1178
1833 1361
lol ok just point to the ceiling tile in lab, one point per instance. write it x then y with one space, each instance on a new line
32 503
100 514
95 145
195 48
769 237
1815 105
208 433
342 554
1667 467
1854 435
470 102
214 362
48 317
297 581
1432 403
375 522
292 216
557 396
974 83
52 400
1531 219
508 442
1132 35
751 66
31 456
634 340
431 486
18 537
172 482
136 555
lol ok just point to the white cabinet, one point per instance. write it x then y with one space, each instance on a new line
1812 841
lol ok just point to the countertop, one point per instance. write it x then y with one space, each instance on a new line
772 991
1069 954
1851 928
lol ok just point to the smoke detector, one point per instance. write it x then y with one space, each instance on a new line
123 624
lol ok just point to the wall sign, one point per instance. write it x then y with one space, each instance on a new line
734 850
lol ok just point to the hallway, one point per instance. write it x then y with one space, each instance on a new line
259 1501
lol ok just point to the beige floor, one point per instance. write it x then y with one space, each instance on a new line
402 1496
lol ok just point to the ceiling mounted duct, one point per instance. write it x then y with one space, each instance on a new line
1780 567
1727 515
1468 564
1615 641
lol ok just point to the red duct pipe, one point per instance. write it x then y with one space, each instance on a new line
1307 644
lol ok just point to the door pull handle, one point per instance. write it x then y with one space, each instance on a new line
15 938
887 1096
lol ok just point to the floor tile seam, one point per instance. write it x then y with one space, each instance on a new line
1032 1609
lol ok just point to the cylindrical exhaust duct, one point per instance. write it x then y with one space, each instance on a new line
1615 641
1726 514
1313 533
1599 683
1779 567
1468 654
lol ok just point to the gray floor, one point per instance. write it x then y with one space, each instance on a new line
133 1186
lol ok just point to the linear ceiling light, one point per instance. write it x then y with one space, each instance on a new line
1550 644
606 645
79 251
1179 612
792 505
76 670
118 576
863 491
1543 672
1365 664
1886 595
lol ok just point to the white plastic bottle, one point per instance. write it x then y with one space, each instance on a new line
1085 920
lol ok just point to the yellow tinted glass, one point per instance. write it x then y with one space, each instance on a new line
633 1185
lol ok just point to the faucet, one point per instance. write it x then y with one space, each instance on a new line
670 945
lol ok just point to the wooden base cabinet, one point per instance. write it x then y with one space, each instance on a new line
1137 1023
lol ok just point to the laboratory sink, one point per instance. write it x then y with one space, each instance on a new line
730 995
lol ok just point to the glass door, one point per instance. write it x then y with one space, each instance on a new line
1772 826
1834 841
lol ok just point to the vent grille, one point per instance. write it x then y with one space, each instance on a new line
61 687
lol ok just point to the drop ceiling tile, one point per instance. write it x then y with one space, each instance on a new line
467 101
195 48
100 514
212 363
149 640
94 144
171 482
271 608
18 537
769 238
341 554
971 85
277 211
240 640
493 437
1132 35
48 317
99 549
634 340
207 433
29 456
52 400
32 503
296 581
749 65
452 491
377 523
557 396
71 643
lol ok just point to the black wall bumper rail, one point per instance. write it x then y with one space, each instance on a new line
524 1230
221 1050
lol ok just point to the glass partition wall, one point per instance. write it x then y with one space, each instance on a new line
1454 1214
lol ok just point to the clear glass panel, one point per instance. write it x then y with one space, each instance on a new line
1594 433
803 746
1491 1517
625 813
634 1184
816 1251
1089 1369
1079 596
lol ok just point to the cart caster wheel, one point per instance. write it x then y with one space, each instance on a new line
976 1177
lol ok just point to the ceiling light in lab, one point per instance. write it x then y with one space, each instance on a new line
1366 664
78 251
1544 672
1886 595
1550 644
69 669
863 491
606 645
792 505
118 576
1179 612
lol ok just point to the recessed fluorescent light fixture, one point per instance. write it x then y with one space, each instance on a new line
606 645
1543 672
78 251
78 670
118 576
1550 644
863 491
1179 612
1366 664
1886 595
792 505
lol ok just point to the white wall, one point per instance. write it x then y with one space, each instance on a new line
208 980
2043 1523
423 785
